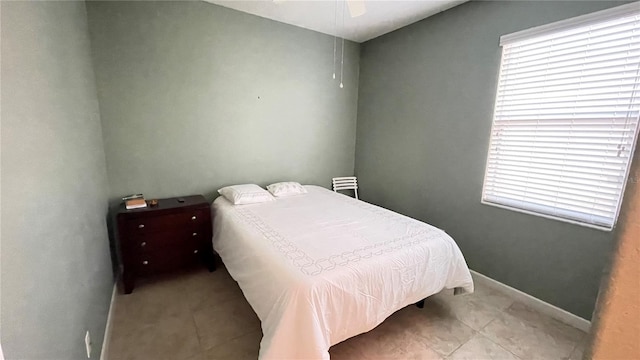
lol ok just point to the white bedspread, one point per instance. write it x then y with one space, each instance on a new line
322 267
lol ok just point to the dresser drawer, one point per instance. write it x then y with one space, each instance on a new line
168 260
152 242
160 223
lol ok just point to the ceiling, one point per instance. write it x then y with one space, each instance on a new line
381 16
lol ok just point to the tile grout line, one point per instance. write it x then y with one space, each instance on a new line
550 320
503 348
475 333
499 310
491 340
500 313
487 324
195 325
463 343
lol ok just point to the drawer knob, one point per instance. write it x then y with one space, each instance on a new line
144 243
141 226
145 262
193 217
195 251
194 234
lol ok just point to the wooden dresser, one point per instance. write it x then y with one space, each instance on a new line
172 235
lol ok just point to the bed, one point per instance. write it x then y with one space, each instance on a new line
322 267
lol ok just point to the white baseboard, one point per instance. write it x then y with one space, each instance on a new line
534 303
104 354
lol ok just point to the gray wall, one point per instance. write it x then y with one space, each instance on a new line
194 96
425 107
56 271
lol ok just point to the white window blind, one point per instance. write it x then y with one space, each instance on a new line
566 118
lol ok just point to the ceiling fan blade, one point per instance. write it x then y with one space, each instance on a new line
356 7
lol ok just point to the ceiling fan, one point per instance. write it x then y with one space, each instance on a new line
356 7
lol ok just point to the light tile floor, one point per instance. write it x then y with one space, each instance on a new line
197 315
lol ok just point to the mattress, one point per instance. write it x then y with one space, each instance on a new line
322 267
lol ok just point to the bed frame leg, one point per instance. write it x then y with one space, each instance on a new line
420 304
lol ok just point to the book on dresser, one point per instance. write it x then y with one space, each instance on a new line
135 204
135 201
172 235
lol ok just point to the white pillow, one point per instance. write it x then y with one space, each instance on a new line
245 194
286 189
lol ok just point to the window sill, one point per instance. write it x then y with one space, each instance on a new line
597 227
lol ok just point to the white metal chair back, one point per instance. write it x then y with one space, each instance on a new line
346 183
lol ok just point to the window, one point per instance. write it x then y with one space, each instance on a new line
566 118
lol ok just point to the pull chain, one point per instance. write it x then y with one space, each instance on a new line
335 36
342 52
